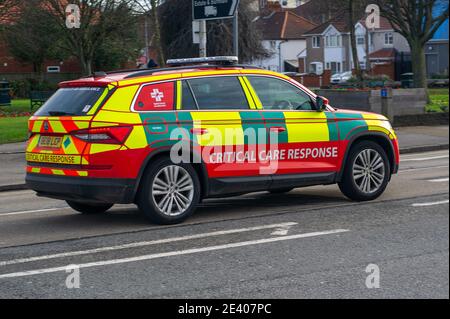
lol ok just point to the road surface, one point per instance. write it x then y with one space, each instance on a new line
309 243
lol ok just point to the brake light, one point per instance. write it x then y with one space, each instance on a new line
104 135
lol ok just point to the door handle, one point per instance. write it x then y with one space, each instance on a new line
278 129
199 131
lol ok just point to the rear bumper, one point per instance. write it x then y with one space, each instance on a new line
114 191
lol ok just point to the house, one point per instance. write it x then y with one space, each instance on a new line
283 38
329 47
436 51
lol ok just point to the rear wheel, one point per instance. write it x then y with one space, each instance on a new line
367 172
169 193
89 209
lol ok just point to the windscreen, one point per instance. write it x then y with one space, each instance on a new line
71 101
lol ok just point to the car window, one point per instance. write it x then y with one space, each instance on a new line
276 94
219 93
187 100
71 101
156 97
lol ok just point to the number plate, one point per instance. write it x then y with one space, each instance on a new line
50 141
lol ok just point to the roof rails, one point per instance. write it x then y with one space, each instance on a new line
217 60
183 64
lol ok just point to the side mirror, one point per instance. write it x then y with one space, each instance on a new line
321 103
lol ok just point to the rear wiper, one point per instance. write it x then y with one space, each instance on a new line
59 113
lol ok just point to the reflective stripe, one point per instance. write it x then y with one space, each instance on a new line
255 97
179 95
249 96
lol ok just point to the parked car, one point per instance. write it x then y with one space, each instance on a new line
341 78
165 139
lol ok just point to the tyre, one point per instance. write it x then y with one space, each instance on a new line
366 173
280 190
169 192
89 209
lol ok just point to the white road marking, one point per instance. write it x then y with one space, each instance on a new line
172 253
281 231
32 211
439 180
145 243
431 204
422 168
420 159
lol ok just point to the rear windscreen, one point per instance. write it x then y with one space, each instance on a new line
71 101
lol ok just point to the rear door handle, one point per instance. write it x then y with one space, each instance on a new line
199 131
278 129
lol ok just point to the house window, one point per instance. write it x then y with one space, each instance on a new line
335 67
389 38
333 41
316 42
360 40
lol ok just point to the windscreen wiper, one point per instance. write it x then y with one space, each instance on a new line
59 113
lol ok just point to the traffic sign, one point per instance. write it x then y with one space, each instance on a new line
214 9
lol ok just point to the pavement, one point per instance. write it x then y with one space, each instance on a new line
308 243
411 139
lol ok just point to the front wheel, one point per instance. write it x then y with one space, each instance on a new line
89 209
367 172
169 193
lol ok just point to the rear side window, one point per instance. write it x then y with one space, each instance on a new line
219 93
156 97
71 101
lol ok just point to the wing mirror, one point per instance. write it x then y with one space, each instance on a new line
321 103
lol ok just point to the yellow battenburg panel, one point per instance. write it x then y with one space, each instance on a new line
121 100
37 126
57 126
82 124
70 148
58 172
223 128
307 127
82 173
35 170
101 148
379 123
117 117
32 143
137 138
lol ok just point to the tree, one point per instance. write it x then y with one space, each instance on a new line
32 38
175 18
417 21
151 8
101 22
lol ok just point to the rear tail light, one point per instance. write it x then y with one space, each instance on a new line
104 135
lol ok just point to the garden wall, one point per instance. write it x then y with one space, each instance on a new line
404 101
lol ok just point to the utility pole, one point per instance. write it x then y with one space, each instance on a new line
236 34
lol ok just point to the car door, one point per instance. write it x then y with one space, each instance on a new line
218 113
304 140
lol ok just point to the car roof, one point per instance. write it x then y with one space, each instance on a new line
125 77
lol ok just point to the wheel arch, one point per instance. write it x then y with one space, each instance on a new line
381 139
